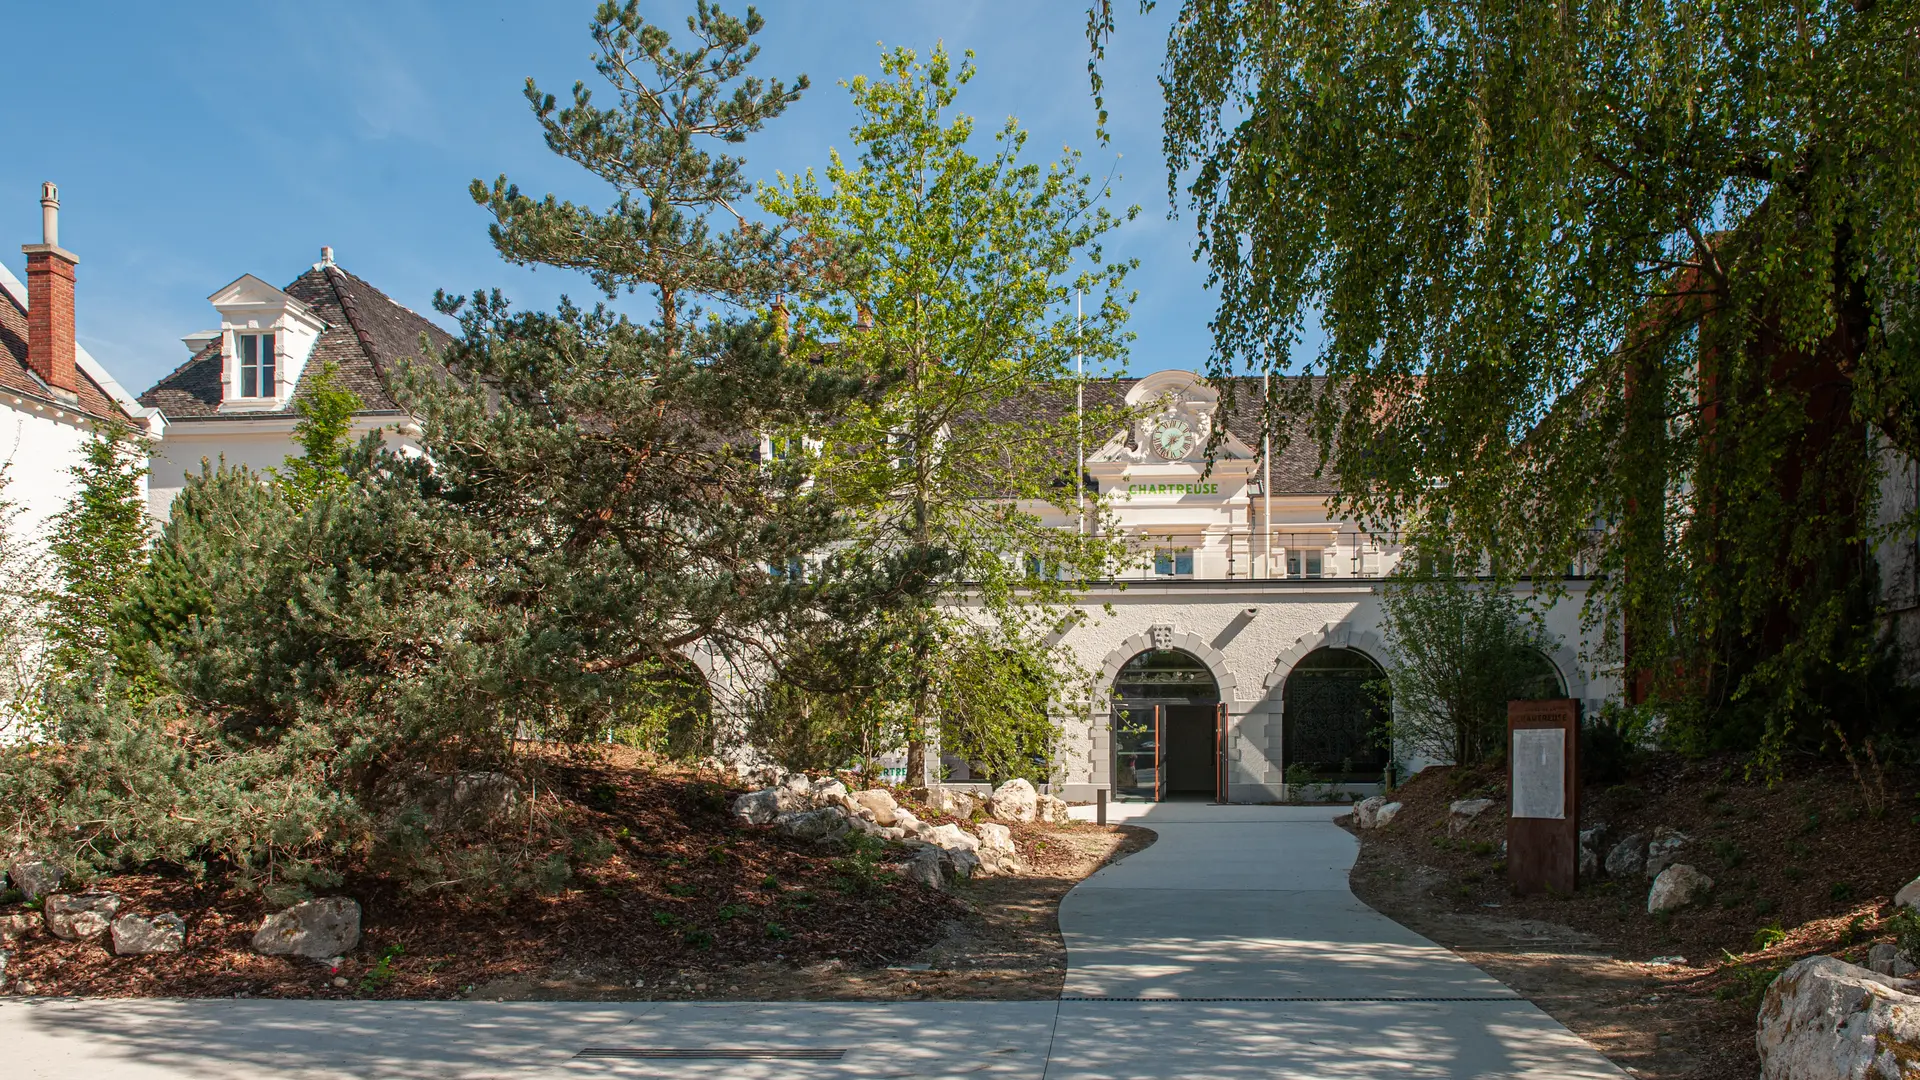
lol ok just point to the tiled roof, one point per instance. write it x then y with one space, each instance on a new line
367 334
16 377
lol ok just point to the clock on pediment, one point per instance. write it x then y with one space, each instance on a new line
1176 433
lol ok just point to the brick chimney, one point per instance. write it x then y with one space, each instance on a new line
50 300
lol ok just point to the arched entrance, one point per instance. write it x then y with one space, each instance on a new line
1334 709
1167 727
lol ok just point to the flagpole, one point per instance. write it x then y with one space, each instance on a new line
1079 414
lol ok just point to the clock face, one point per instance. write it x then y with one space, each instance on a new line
1174 438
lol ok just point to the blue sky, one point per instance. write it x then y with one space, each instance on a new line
195 143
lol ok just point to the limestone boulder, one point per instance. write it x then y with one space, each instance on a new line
880 803
827 790
997 851
34 878
1885 959
315 929
757 807
905 820
961 862
1824 1019
1909 895
15 927
1384 816
953 838
825 825
1461 813
1051 810
140 935
472 800
1676 887
1628 857
1665 850
1366 812
1014 800
925 868
79 916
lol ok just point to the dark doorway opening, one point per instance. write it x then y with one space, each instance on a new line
1166 728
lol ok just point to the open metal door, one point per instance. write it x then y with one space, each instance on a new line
1159 752
1220 752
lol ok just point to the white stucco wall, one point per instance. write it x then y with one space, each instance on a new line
1250 634
259 443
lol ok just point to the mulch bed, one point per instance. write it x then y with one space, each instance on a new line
664 891
1799 867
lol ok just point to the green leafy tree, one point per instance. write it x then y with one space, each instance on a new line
23 658
1460 650
955 275
99 544
1628 286
326 411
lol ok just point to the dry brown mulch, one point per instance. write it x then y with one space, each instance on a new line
663 882
1800 867
667 898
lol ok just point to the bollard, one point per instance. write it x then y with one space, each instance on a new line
1100 806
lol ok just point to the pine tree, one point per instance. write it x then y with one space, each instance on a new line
99 545
956 276
616 463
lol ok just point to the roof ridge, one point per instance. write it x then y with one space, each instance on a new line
349 306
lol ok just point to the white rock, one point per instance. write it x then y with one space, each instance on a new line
924 868
316 929
34 878
137 935
1384 816
78 916
1014 800
757 807
880 803
1366 812
1462 812
997 851
1824 1019
1628 857
964 863
953 838
14 927
1665 850
905 821
828 789
1885 959
1052 810
823 825
1676 887
1909 895
1589 864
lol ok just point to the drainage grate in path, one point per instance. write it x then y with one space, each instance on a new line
715 1053
1230 1000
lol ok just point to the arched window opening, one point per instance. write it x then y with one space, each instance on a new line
1334 710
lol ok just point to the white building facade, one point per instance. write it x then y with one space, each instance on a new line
1241 645
235 399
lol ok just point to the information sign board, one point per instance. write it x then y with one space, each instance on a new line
1543 813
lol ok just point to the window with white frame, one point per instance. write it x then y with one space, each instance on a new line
1303 562
257 364
1172 561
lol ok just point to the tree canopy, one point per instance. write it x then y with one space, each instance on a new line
957 267
1628 286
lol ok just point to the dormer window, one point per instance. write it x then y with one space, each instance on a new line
257 362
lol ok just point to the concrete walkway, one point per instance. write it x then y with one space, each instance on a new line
1229 949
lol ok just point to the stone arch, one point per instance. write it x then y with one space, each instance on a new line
1190 643
1340 635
